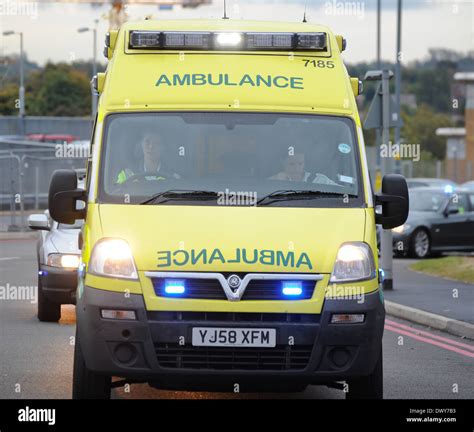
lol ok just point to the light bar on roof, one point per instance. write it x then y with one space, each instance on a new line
145 39
311 41
264 41
186 39
227 41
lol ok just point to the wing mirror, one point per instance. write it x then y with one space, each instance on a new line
394 201
450 211
38 222
63 197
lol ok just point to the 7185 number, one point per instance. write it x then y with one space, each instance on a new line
329 64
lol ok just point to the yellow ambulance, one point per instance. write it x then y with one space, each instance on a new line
230 224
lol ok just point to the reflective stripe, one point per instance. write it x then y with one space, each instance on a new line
127 173
121 177
124 175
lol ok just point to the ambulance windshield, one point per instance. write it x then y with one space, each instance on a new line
300 160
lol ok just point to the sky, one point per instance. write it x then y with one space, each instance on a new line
50 29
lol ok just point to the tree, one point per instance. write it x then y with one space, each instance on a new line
58 90
433 87
9 100
420 128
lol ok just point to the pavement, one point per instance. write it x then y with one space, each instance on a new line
36 358
448 298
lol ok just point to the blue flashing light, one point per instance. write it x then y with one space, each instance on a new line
43 273
174 287
449 189
381 275
292 289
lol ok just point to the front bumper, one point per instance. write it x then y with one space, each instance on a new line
157 346
58 284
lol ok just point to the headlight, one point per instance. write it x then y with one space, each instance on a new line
63 260
401 228
354 262
113 257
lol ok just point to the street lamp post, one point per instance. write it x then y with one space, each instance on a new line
378 161
398 80
21 92
94 59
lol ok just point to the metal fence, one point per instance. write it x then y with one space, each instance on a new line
25 175
410 168
26 168
77 126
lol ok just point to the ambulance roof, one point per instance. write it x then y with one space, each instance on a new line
313 81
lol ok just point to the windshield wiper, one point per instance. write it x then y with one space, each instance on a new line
161 197
283 195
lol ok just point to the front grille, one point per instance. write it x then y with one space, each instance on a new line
257 289
282 357
233 317
271 290
195 289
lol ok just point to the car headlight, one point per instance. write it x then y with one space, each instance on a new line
354 261
401 228
113 257
63 260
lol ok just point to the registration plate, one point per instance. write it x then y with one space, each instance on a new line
234 337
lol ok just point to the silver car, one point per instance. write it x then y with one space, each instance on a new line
58 259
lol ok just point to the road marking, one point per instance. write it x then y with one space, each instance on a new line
9 258
433 336
431 341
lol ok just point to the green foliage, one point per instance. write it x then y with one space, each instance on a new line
9 99
433 86
420 128
58 90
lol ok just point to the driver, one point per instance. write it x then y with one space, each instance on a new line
152 163
294 170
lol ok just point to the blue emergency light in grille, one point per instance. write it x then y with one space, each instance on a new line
174 287
211 289
292 288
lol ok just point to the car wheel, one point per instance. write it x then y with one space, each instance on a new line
368 387
420 244
87 384
48 311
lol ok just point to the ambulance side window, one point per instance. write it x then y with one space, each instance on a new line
89 159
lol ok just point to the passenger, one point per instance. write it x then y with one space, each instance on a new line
294 170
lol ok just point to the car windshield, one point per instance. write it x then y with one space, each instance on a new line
199 158
426 200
